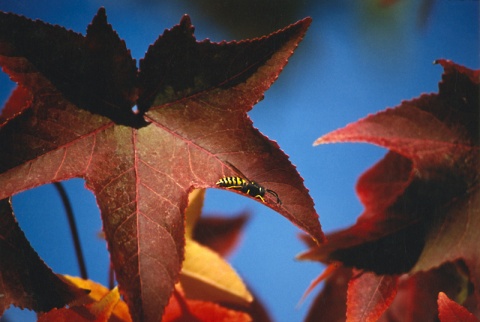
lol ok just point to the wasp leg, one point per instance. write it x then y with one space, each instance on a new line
234 187
260 197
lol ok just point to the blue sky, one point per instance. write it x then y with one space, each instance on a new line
354 61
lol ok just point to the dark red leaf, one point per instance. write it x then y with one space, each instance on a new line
330 305
369 295
18 101
25 280
219 233
416 298
422 200
191 130
406 298
381 240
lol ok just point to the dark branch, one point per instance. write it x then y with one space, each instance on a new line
73 228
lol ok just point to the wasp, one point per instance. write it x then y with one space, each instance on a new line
251 188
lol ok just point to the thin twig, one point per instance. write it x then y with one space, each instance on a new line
73 228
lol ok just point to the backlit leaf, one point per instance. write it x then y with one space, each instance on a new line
191 129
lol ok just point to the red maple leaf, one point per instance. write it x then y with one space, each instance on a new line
72 116
422 201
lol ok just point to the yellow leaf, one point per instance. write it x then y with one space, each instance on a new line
103 309
194 210
207 276
102 303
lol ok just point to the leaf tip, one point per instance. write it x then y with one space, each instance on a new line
440 61
307 21
449 310
450 66
101 15
186 22
319 141
100 19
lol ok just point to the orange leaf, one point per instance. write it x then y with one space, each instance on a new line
102 304
182 309
451 311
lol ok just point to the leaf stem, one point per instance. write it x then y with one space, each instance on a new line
111 277
73 228
182 303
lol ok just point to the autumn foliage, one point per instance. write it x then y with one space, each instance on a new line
149 140
418 235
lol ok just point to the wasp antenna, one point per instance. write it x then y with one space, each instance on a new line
275 195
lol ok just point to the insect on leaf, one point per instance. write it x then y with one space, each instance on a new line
191 125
